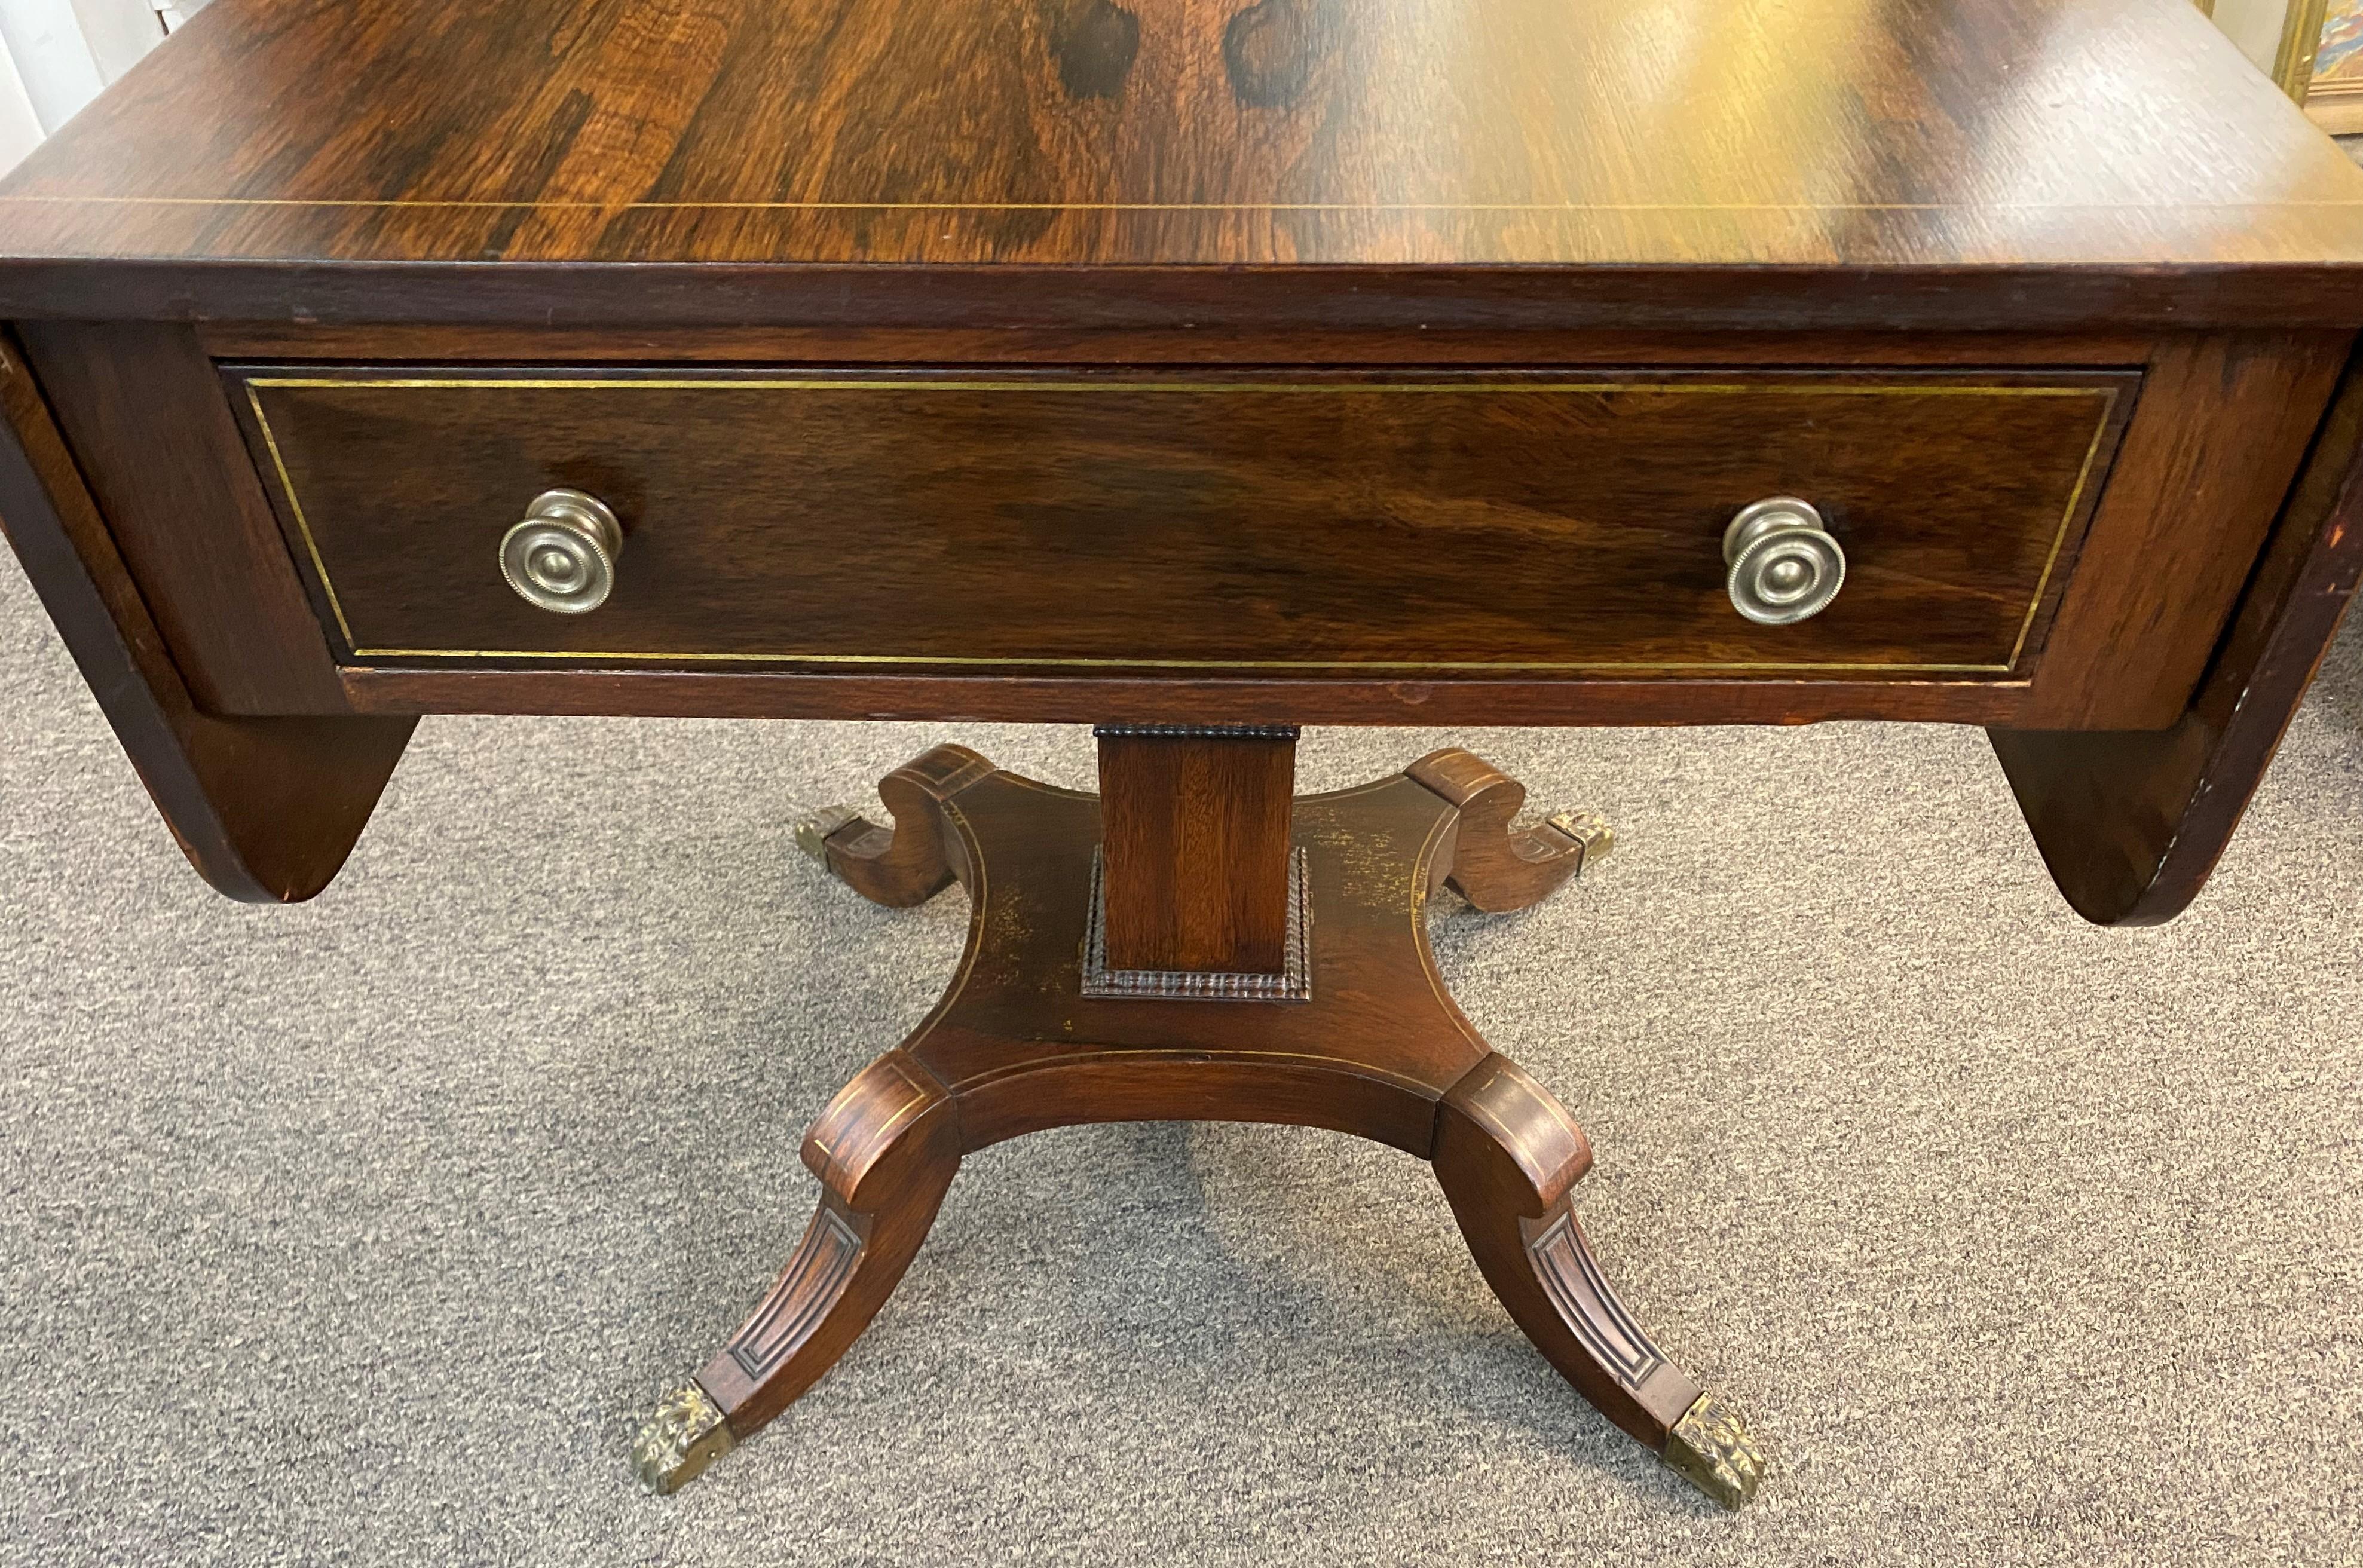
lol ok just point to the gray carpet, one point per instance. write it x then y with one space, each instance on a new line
361 1231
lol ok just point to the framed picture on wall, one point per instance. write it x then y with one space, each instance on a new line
2314 49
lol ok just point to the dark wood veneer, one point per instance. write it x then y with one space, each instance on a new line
1110 698
144 412
1170 807
2194 488
1379 1050
2131 823
1321 183
1068 345
265 808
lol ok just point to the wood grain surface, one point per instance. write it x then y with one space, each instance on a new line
1725 160
1064 346
145 414
2224 421
1173 809
1355 522
1101 698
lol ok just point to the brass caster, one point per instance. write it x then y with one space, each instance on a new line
1711 1448
686 1434
1592 836
811 831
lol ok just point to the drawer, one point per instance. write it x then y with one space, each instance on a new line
1459 523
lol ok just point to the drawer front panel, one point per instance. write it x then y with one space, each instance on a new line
1347 524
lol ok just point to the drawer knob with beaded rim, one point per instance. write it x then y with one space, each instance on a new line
1784 565
562 557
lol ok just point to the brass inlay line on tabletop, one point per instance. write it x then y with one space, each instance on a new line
497 204
761 384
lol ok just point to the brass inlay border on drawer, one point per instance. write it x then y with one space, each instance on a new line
2106 394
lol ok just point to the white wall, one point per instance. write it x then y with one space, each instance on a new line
20 127
2256 26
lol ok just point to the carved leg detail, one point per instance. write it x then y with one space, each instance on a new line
1508 1155
886 1151
1020 1043
1495 870
914 860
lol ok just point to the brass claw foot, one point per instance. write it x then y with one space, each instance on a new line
686 1434
912 861
1495 867
812 831
1711 1448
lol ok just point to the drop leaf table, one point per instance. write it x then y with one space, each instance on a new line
1196 370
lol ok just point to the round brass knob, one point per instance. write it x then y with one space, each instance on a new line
562 557
1784 567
